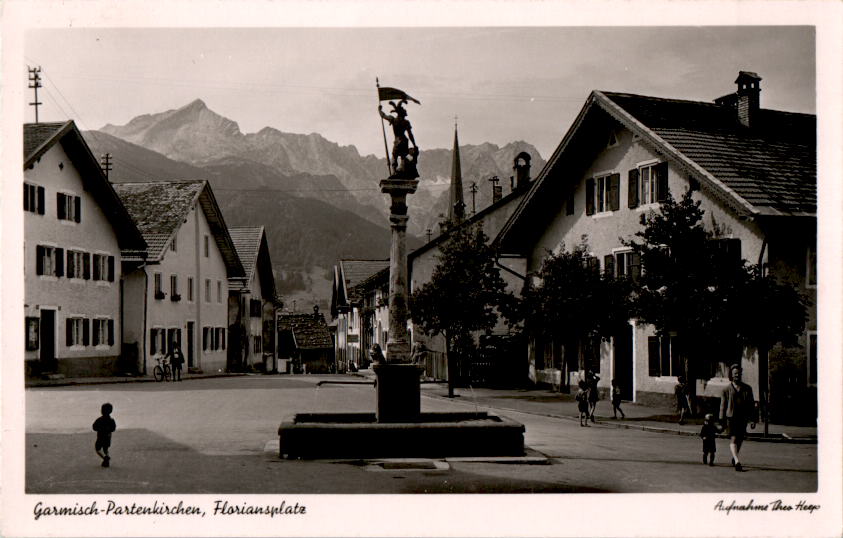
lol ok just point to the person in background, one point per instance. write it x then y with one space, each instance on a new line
582 403
616 399
591 380
682 404
737 407
708 433
177 361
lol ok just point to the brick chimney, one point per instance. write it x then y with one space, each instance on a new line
749 97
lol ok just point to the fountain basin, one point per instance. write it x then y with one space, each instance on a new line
431 435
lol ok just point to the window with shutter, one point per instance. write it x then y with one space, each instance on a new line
661 182
153 347
609 265
653 356
632 188
61 207
589 196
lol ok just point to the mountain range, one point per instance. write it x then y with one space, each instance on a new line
319 201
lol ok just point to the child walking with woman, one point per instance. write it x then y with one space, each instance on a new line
582 403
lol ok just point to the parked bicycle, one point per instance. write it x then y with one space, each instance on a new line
162 371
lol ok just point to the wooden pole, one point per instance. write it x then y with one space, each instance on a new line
383 128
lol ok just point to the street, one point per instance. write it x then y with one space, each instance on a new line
219 436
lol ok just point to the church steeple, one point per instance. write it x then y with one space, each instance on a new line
456 208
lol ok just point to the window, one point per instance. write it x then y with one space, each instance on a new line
207 290
207 251
77 331
103 267
49 261
173 339
103 333
159 291
647 184
602 194
68 207
812 358
664 356
75 264
255 308
811 269
157 341
219 291
213 338
257 344
627 264
174 288
33 198
190 289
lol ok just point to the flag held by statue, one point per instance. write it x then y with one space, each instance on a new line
385 94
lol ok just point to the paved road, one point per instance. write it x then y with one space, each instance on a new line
212 436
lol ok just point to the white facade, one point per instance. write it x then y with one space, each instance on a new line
72 311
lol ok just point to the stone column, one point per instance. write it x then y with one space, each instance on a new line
398 379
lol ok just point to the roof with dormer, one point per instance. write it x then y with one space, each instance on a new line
159 208
38 138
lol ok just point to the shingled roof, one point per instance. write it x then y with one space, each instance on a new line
247 242
159 208
309 330
771 166
38 138
356 271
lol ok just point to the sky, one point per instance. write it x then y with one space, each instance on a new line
500 84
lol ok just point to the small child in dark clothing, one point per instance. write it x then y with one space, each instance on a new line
582 403
104 426
709 435
616 399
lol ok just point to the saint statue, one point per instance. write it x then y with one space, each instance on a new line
404 158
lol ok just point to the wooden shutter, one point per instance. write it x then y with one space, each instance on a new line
634 269
26 197
86 264
96 268
111 268
95 335
589 196
153 348
59 262
632 188
77 214
661 181
222 333
60 207
675 356
39 260
609 265
614 192
71 265
86 326
654 360
68 332
205 339
40 200
664 343
171 339
111 332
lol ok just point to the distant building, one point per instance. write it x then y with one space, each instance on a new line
74 230
305 343
348 309
179 296
754 171
252 303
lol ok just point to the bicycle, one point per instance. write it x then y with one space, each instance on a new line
162 371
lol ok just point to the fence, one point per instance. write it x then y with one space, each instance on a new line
435 366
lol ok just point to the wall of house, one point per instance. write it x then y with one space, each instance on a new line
603 231
134 328
68 297
189 260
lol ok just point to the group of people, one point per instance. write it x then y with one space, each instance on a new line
588 395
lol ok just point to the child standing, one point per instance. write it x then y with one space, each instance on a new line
582 403
104 426
709 435
616 399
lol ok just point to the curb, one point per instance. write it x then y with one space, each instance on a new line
653 429
111 381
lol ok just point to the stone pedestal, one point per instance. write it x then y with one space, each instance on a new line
398 394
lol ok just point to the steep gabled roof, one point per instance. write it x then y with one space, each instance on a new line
355 272
38 138
159 208
253 250
309 330
766 170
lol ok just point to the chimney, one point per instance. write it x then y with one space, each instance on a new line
749 101
497 190
521 165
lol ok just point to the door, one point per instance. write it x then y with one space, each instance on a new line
189 337
48 341
623 361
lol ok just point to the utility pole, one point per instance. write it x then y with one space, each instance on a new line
105 161
35 83
473 190
429 232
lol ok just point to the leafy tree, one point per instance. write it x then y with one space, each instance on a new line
464 294
705 293
573 301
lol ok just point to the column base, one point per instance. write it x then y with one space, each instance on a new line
398 391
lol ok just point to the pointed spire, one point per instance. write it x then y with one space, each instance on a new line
456 209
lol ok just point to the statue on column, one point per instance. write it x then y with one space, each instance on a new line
404 158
